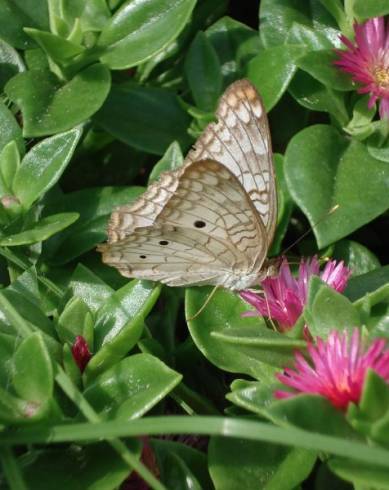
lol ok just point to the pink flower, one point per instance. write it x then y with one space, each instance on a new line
337 368
81 353
283 297
367 59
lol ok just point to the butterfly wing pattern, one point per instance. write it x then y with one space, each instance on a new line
212 220
240 140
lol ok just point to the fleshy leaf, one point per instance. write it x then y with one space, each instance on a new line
131 387
141 29
50 107
323 169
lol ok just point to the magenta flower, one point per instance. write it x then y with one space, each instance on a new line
337 368
81 353
367 60
283 297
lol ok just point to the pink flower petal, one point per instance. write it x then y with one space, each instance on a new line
367 60
283 297
335 368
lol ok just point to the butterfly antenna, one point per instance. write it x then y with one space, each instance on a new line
210 296
322 218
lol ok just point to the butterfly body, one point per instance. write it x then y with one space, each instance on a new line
212 220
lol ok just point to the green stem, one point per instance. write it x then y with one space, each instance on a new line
349 11
218 426
87 410
11 470
191 402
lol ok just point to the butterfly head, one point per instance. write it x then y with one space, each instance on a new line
271 267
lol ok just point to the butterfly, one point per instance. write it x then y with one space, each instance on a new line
211 221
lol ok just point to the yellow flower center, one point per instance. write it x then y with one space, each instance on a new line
381 75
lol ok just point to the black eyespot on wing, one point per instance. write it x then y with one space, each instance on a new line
199 223
164 242
142 256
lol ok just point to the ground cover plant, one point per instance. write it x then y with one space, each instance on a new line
112 383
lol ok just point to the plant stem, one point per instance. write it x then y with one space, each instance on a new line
87 410
218 426
11 470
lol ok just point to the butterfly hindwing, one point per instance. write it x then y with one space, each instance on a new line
207 232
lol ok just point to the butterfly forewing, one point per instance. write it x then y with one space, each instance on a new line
212 220
240 140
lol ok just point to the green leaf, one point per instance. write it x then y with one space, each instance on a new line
235 44
95 15
120 322
278 17
141 29
16 14
357 257
32 370
374 311
43 166
9 129
361 474
14 410
76 319
315 96
222 314
89 287
370 416
335 8
238 463
95 466
272 70
9 163
94 207
366 9
131 387
323 168
23 294
271 347
7 349
314 38
253 396
171 160
359 286
320 65
70 367
42 230
194 460
360 125
329 310
50 107
178 475
129 114
55 47
202 70
10 63
312 413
